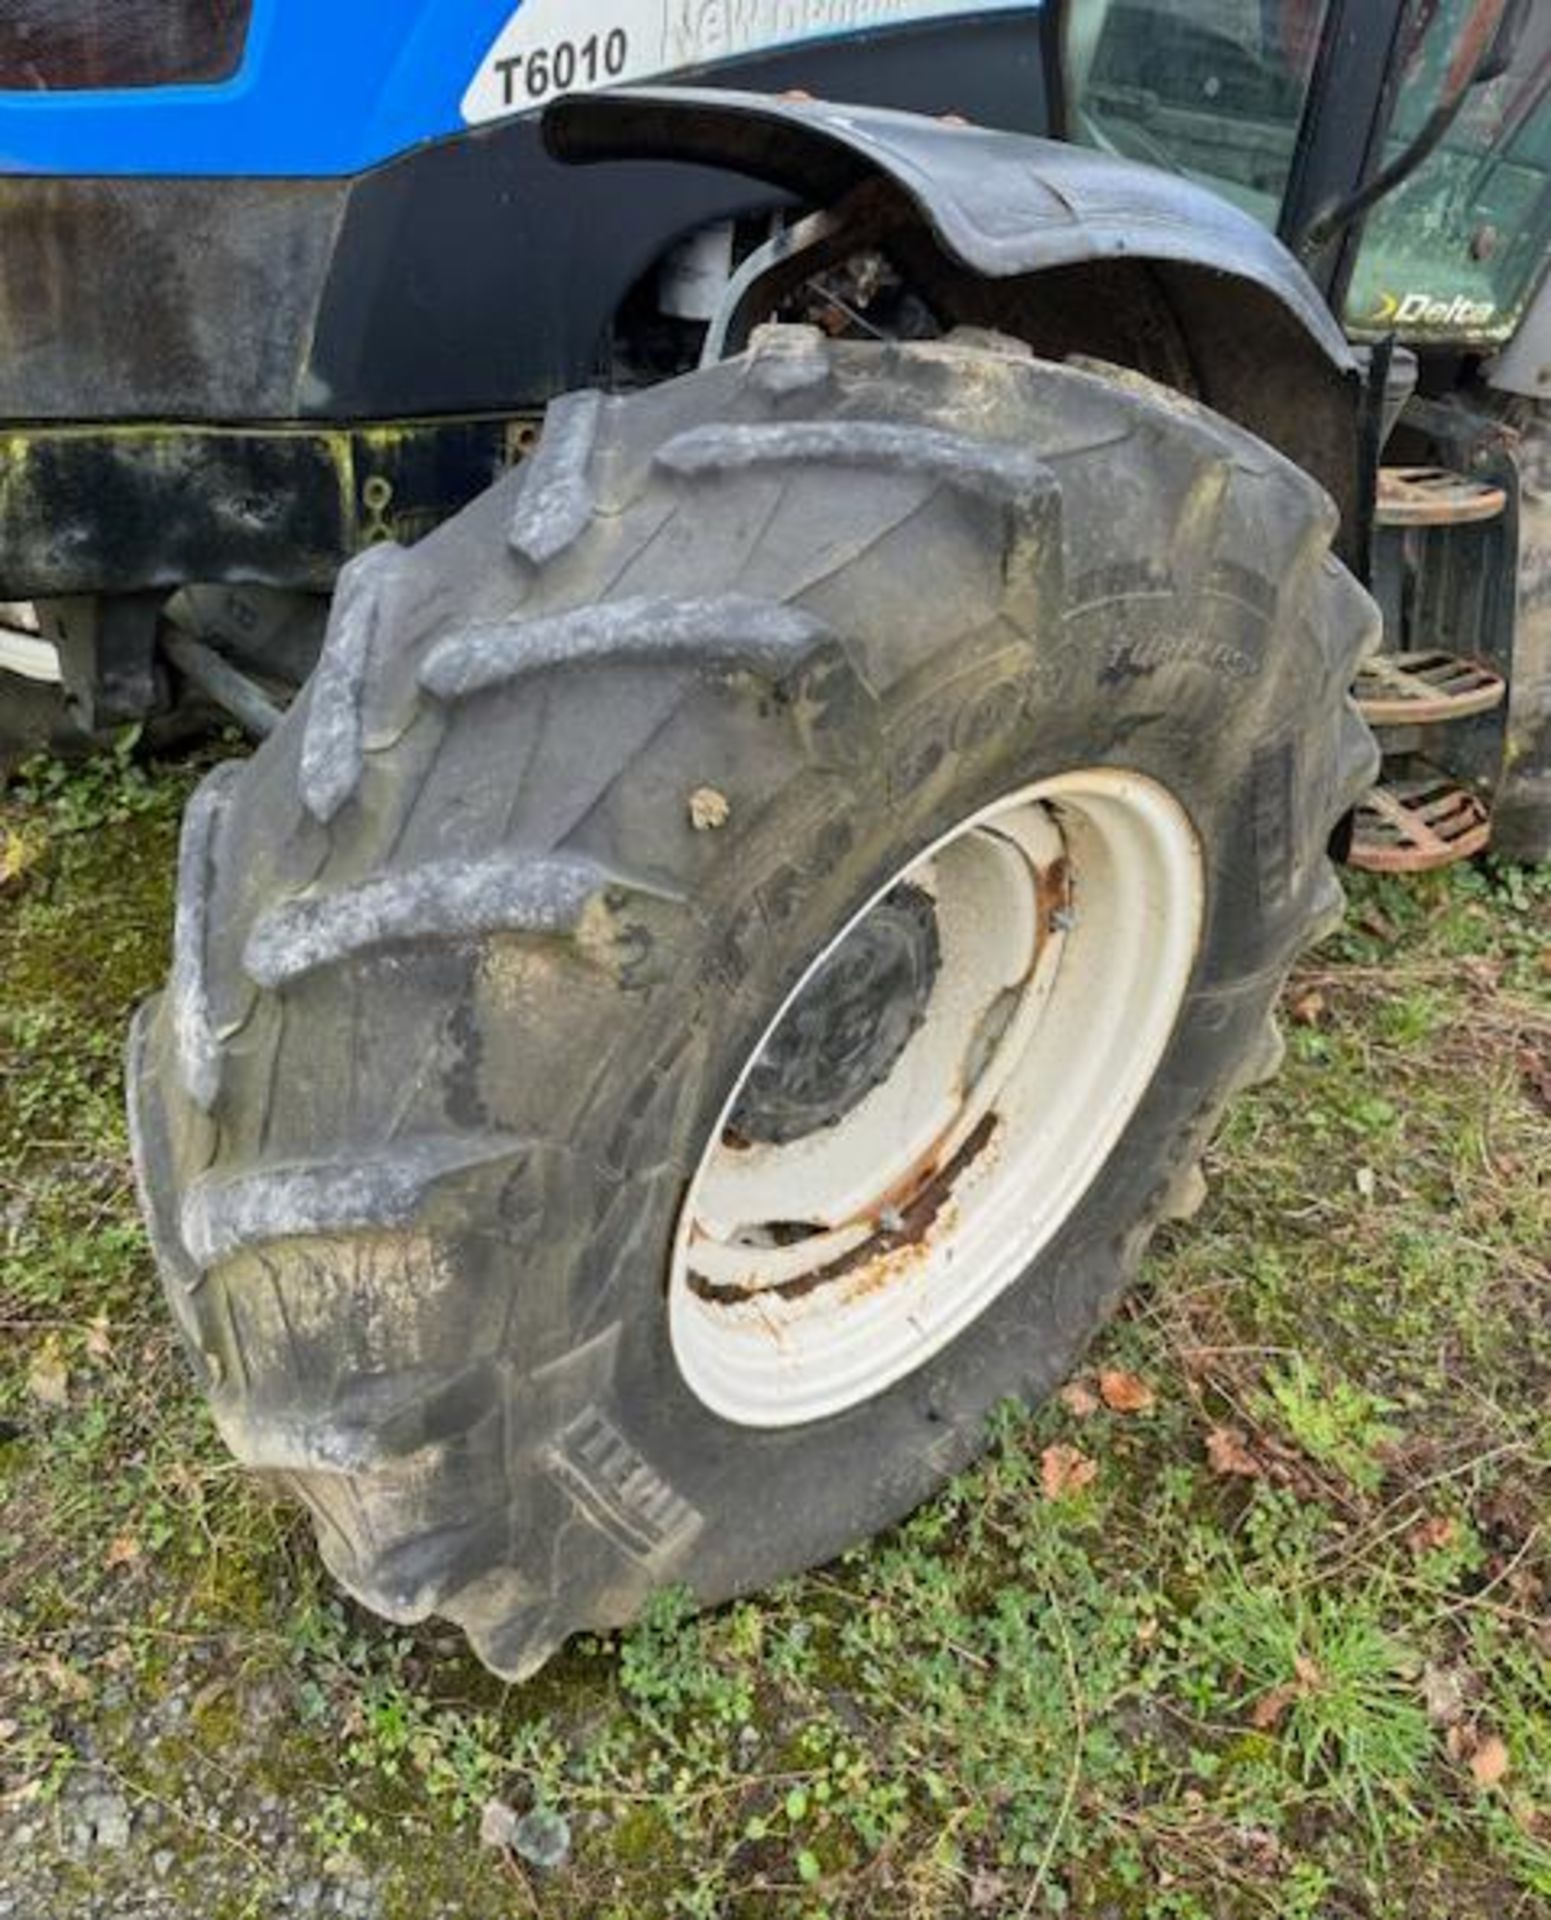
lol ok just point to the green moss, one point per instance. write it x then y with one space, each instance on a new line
643 1838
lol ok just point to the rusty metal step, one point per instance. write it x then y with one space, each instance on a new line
1434 497
1420 689
1414 825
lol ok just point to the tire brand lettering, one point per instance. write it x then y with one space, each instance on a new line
617 1489
1136 657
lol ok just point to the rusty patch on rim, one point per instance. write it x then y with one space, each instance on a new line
914 1217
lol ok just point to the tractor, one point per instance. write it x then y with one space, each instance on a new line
823 586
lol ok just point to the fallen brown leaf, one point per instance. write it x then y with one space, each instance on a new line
1309 1675
1125 1393
1489 1762
1437 1531
98 1345
1227 1453
1270 1707
1308 1007
1065 1470
1080 1401
123 1551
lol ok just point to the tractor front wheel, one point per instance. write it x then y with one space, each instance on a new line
748 929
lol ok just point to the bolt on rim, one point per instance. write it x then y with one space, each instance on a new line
812 1271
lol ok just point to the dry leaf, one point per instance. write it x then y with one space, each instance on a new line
123 1551
1308 1007
48 1378
497 1824
1227 1453
708 809
1489 1762
1432 1534
1366 1182
1443 1693
1270 1707
988 1891
1065 1470
65 1680
1080 1401
98 1345
1124 1393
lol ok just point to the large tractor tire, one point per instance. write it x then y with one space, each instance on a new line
745 934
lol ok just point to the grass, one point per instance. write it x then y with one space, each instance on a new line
1286 1652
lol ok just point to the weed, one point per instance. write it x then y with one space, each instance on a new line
1335 1421
1320 1669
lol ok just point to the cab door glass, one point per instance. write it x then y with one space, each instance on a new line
1454 251
1211 89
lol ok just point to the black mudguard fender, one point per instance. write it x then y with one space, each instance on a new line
1075 251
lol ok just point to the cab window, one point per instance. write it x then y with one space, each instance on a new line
1212 89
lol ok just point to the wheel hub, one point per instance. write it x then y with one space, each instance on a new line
847 1027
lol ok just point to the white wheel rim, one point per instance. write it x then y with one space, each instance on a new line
1068 917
